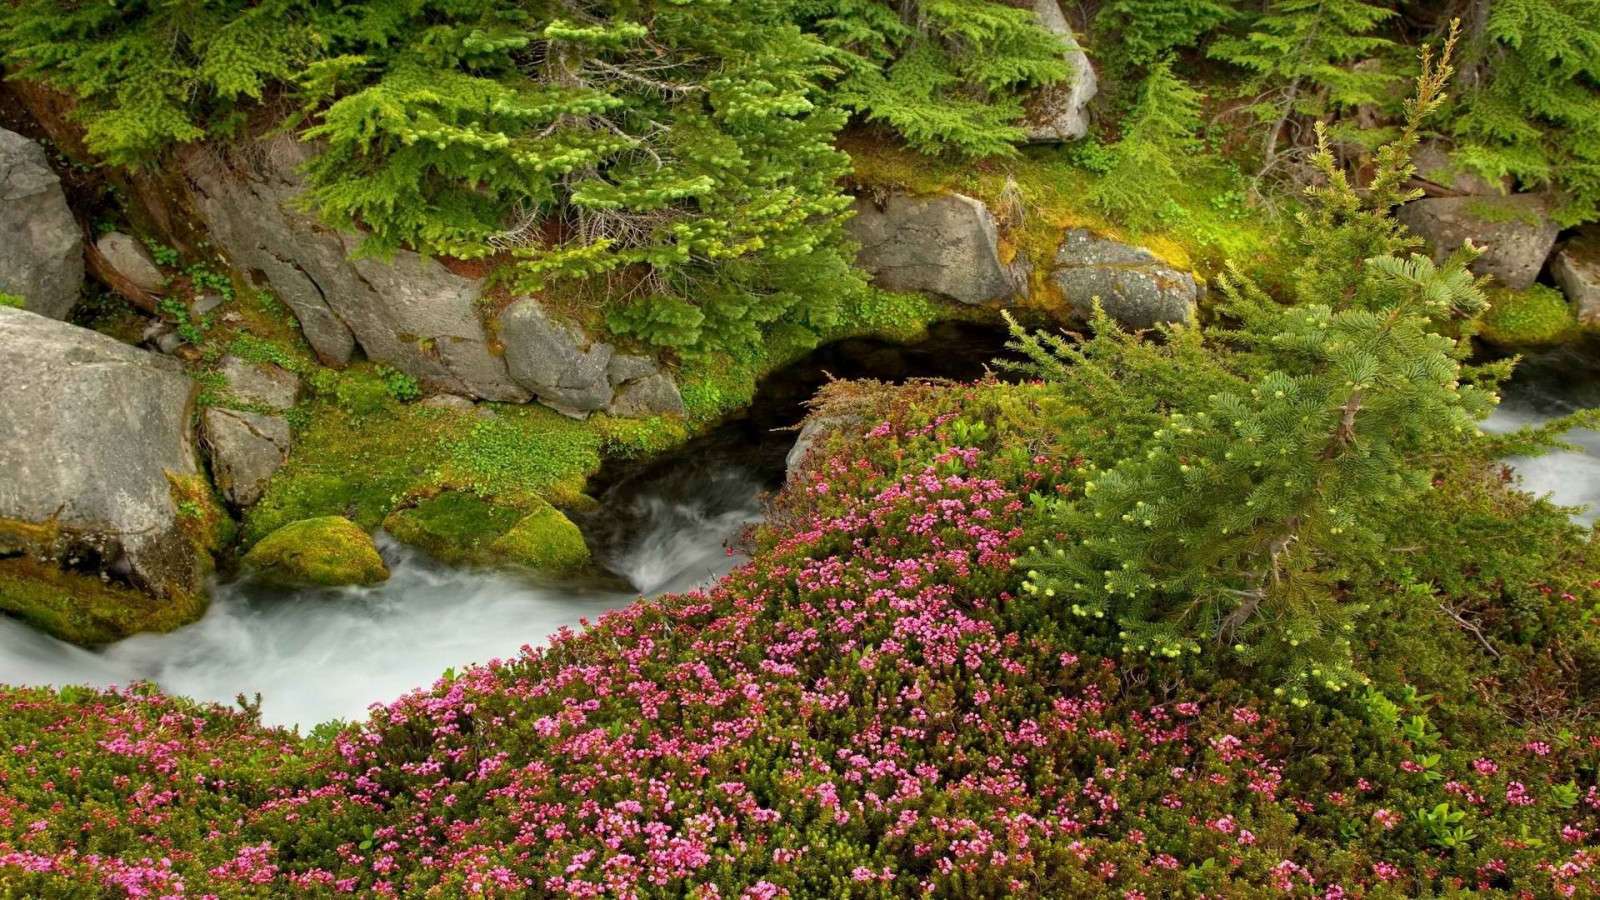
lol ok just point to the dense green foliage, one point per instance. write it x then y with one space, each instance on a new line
1280 448
1532 108
1155 153
944 74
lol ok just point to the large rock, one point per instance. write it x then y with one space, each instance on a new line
407 311
330 551
259 384
246 449
640 388
93 436
1576 268
1060 112
945 244
1134 286
129 259
555 361
41 248
1515 232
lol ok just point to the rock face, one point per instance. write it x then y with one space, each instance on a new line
41 248
409 312
246 449
260 384
555 361
1576 268
1515 232
1134 286
1060 113
92 433
814 430
132 261
947 244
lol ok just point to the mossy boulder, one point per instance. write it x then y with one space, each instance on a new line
544 540
1536 317
460 528
85 609
328 551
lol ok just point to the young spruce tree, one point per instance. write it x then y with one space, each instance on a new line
1148 163
1250 475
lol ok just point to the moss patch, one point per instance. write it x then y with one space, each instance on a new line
82 609
1537 317
454 527
544 540
328 551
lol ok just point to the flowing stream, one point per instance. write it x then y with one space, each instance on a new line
667 525
1545 387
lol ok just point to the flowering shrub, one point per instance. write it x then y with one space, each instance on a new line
861 711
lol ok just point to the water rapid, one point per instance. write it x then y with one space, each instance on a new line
326 654
1545 387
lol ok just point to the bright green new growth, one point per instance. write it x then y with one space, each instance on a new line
1537 316
1149 161
1272 458
947 75
1533 110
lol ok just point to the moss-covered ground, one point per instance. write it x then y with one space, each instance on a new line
84 610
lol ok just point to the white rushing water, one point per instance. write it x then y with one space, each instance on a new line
1547 387
326 654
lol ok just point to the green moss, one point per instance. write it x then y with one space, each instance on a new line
1536 317
453 527
82 609
544 540
12 300
329 551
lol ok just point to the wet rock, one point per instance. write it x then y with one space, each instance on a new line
329 551
1060 112
94 435
41 248
555 361
945 244
132 261
1515 232
1135 287
1576 268
260 384
246 449
406 311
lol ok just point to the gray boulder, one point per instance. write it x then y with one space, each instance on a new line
815 429
555 361
1515 232
407 311
1135 287
132 261
260 384
640 388
1576 268
246 449
1060 112
41 248
93 432
945 244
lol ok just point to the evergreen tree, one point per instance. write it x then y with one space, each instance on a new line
1532 110
1147 30
1149 161
944 74
1309 59
1225 521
